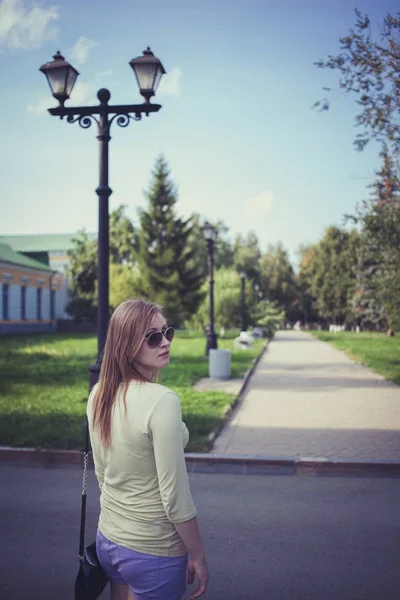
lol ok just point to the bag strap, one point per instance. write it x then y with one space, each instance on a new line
83 506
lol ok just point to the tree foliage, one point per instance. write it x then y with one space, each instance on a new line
377 298
123 238
306 273
169 274
370 69
82 276
247 256
82 269
334 274
227 301
278 281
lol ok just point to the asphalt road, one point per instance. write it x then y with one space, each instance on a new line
267 537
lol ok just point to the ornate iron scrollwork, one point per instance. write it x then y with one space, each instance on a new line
84 121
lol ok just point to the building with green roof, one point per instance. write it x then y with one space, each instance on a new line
49 249
33 293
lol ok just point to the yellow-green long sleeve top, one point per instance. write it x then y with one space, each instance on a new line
142 475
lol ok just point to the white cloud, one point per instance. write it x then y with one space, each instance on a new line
82 94
258 207
40 108
23 26
105 73
170 83
80 52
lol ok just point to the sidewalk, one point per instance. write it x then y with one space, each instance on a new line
307 399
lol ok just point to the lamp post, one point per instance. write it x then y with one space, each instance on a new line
209 235
243 289
258 292
61 77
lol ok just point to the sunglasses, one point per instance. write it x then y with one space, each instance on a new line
155 339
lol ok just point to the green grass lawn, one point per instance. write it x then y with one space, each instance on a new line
44 385
375 350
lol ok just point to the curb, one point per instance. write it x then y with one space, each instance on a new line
229 409
307 466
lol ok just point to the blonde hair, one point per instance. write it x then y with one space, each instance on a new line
127 328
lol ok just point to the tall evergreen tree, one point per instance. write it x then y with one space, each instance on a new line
169 273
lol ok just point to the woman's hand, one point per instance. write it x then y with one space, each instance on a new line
200 569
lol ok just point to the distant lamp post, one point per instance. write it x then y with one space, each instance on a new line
243 300
209 235
258 292
61 77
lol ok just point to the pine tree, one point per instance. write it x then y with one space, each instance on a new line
169 273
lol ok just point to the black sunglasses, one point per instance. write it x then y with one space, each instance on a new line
154 339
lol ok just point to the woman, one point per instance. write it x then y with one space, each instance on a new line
148 534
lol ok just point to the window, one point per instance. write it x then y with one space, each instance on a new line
5 302
23 302
39 304
52 304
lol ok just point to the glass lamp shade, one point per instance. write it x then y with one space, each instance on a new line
61 77
148 70
208 232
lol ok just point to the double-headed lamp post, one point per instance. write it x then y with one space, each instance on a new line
61 77
209 235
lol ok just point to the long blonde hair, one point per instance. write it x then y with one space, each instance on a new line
127 328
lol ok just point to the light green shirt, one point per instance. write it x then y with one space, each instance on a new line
142 475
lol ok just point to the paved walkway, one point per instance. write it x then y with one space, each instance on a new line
306 398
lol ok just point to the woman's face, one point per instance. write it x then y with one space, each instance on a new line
148 358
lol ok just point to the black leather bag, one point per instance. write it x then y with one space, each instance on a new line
91 579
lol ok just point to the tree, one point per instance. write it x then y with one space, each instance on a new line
247 256
169 273
223 250
123 284
277 279
267 315
123 238
378 286
335 271
371 70
82 269
307 301
227 301
82 276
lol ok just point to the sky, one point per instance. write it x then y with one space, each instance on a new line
236 126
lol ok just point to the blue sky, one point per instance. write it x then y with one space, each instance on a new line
236 125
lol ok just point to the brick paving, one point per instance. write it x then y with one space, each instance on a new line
308 399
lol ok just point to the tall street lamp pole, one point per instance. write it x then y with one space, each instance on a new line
61 77
209 236
243 304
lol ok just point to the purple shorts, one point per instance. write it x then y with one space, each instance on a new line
149 577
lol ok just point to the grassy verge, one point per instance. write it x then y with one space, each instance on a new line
44 385
375 350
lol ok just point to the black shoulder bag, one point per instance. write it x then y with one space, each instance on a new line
91 579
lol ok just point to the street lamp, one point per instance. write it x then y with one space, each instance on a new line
243 289
209 235
61 77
